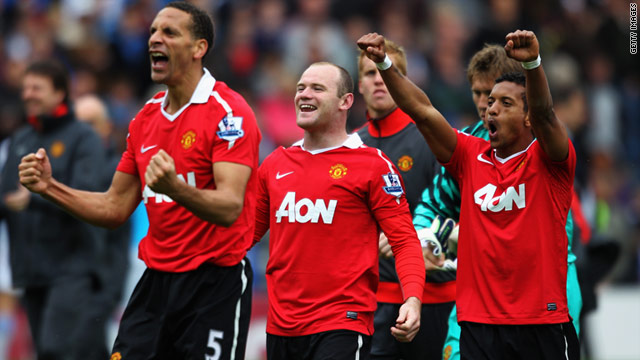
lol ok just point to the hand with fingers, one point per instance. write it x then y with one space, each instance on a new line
373 46
160 175
522 45
384 249
408 321
19 199
35 171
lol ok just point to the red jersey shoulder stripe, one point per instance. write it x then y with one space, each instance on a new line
386 160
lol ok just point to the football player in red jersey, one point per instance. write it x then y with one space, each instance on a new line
192 157
325 199
512 247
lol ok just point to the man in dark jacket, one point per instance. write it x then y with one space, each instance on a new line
54 256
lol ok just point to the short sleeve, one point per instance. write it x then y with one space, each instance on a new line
237 137
127 162
455 165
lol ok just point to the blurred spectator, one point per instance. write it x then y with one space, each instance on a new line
54 256
114 258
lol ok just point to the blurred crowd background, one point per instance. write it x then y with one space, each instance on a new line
262 46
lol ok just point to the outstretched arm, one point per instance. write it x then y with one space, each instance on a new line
523 46
411 99
107 209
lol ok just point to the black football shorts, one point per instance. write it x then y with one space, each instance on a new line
199 314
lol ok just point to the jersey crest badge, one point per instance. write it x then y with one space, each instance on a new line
393 184
188 139
338 171
447 352
522 164
405 163
116 356
57 149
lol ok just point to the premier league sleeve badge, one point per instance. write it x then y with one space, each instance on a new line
230 129
393 185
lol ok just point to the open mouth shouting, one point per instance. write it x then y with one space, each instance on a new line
493 128
159 60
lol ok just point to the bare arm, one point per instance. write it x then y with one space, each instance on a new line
550 132
412 100
107 209
262 207
220 206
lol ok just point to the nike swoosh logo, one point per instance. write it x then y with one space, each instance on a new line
480 158
280 176
145 149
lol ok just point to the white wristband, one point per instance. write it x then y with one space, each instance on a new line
385 64
530 65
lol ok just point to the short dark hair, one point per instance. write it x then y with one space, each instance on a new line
345 84
201 22
516 78
53 70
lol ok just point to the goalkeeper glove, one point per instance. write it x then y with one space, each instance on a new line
438 234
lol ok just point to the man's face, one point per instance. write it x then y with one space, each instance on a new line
39 95
376 96
316 100
171 46
506 119
480 90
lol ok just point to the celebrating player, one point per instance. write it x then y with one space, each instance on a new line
510 241
442 197
192 156
324 200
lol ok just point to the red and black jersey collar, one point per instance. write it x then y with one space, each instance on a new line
388 125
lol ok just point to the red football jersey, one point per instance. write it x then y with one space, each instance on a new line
216 125
324 209
512 247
